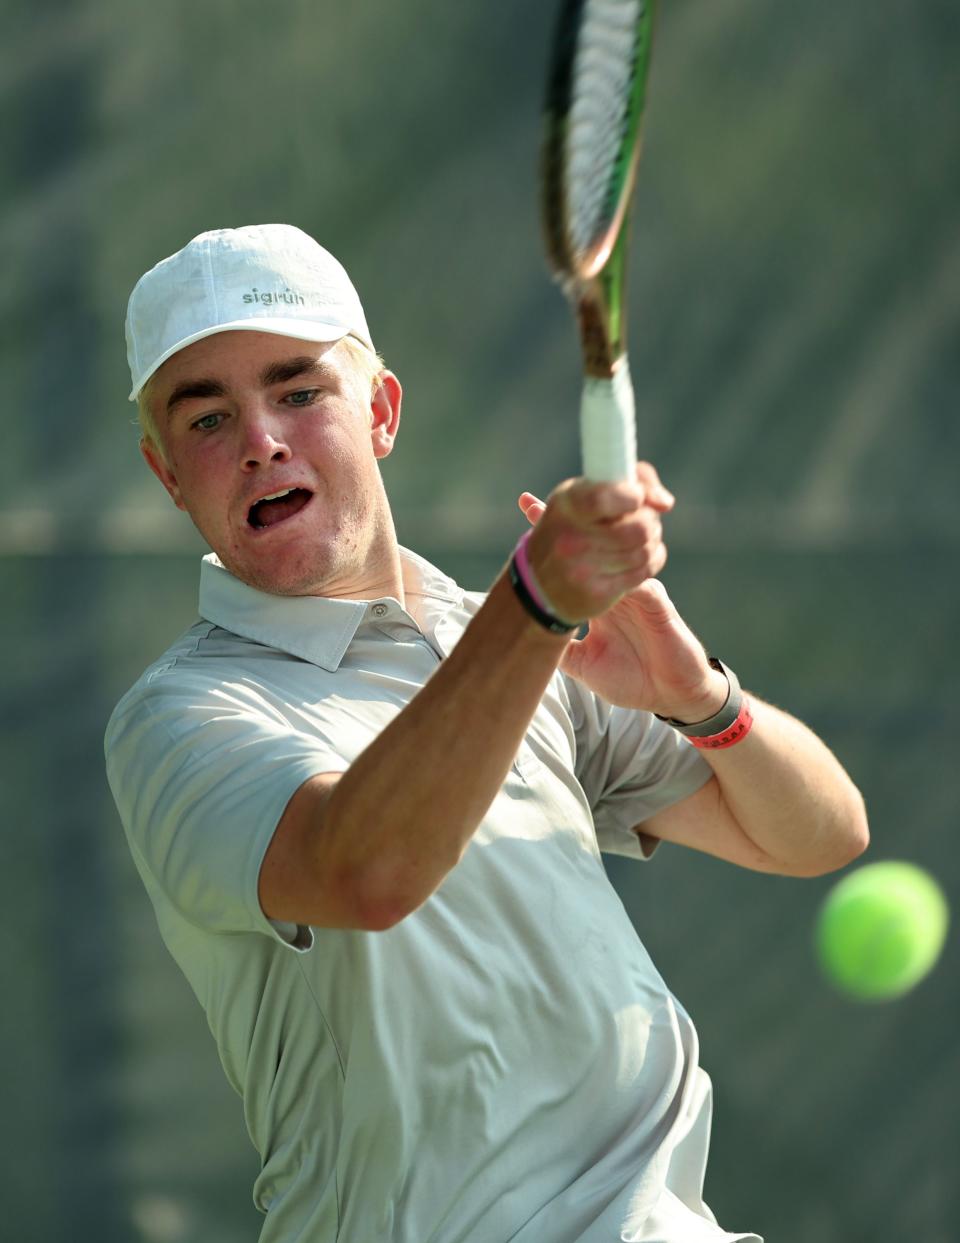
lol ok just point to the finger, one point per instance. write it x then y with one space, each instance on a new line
643 529
633 577
601 502
601 589
657 496
639 562
626 545
531 506
652 597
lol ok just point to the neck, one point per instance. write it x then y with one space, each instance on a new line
378 571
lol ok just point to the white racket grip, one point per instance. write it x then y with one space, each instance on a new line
608 427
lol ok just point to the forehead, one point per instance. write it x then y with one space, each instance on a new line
235 356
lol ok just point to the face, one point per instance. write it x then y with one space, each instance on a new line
271 446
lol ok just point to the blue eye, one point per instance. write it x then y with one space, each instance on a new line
207 422
302 397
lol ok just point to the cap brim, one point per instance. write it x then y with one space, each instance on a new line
299 329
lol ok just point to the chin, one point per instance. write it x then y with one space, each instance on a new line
279 576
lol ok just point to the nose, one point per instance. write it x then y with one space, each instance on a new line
264 441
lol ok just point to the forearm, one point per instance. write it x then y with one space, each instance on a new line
365 848
401 816
790 795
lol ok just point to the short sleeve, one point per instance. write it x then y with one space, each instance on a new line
201 774
630 765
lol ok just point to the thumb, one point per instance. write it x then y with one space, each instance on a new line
657 607
532 507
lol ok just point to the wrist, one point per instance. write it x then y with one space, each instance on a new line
713 699
728 725
530 594
532 629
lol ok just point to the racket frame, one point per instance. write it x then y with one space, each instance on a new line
594 281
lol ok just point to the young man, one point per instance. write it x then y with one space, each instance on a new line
368 806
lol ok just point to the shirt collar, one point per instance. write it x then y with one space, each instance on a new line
314 628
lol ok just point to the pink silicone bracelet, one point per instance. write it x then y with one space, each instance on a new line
526 574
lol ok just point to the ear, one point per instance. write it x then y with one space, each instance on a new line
151 455
385 413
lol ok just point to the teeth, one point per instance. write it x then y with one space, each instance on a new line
275 496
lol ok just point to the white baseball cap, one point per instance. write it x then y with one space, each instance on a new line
263 278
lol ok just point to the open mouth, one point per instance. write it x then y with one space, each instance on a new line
271 510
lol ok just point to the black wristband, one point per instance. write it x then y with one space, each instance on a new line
547 620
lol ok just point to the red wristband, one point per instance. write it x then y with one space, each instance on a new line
730 736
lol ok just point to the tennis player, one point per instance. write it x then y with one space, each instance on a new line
368 806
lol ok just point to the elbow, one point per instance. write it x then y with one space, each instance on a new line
849 834
858 826
384 894
377 918
371 903
853 828
377 911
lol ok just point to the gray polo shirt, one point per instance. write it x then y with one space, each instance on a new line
504 1064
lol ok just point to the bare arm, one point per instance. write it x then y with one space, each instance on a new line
779 802
377 841
366 848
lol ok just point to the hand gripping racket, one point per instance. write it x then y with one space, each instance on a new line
594 113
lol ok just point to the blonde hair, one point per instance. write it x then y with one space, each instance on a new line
365 363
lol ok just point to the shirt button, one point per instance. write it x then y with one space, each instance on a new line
379 610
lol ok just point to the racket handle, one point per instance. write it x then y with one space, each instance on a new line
608 427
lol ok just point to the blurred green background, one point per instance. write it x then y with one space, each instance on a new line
794 340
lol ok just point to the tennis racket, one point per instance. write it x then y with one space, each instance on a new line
594 111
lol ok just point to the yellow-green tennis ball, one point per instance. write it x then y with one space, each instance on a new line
881 929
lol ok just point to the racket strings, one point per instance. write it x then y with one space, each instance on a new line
600 116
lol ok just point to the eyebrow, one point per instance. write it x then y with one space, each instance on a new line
273 373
